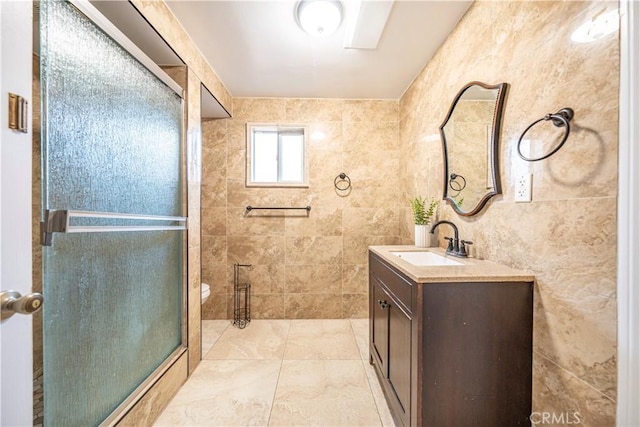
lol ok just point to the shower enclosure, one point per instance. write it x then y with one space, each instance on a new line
113 217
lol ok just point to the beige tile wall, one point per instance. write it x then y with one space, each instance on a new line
302 267
567 235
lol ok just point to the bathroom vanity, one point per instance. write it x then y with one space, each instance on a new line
450 339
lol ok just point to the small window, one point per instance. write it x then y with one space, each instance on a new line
276 156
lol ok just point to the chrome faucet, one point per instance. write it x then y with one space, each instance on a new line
456 247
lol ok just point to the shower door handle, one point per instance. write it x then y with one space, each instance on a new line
12 302
59 221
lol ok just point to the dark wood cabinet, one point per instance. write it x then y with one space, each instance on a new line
391 346
451 354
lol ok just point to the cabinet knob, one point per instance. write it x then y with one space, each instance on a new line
383 304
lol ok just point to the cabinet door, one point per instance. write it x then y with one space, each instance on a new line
400 359
380 326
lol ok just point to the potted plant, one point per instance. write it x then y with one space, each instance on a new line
422 218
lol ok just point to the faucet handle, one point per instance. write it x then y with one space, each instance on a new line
450 247
463 248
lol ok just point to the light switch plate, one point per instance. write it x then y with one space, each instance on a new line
523 188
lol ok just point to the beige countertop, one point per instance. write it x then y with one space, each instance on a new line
472 270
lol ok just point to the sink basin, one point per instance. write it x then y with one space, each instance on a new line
425 258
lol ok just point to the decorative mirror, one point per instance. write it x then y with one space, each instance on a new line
470 145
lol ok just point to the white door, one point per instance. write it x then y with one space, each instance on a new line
15 214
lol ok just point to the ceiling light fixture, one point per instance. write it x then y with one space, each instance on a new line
319 18
601 25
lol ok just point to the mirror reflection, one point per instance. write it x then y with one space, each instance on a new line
470 145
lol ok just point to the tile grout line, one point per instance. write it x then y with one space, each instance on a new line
571 374
203 357
275 391
364 370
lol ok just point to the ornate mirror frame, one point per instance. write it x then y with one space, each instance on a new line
494 146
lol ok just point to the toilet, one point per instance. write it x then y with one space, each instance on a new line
205 291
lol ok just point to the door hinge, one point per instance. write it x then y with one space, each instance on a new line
18 113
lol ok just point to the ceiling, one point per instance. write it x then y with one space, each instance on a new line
257 49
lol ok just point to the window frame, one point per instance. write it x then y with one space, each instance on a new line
251 128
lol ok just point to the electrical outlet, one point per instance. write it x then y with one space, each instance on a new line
523 188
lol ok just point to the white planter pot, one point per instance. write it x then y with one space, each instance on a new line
422 236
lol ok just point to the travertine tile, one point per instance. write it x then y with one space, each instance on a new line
214 193
306 110
579 335
256 223
237 164
225 393
240 196
355 306
366 195
214 249
214 275
312 306
356 248
152 403
313 250
378 396
261 339
264 279
323 392
193 198
211 331
557 391
321 339
194 316
371 221
313 279
375 168
371 136
215 307
325 136
214 223
265 110
321 221
355 279
360 328
370 111
255 250
266 306
214 159
214 134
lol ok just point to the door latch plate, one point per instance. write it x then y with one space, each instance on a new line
18 113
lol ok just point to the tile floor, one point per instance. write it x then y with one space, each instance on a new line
281 373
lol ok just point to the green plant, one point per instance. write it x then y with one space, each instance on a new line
421 214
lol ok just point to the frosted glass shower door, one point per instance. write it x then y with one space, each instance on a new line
113 214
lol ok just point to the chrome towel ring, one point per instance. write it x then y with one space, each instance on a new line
559 119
